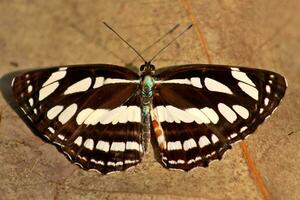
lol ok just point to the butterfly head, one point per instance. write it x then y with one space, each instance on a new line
147 69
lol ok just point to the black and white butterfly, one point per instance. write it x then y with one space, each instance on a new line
102 116
96 113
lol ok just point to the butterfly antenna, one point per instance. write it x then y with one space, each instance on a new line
125 41
190 26
158 40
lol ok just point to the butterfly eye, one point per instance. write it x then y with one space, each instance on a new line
152 67
142 67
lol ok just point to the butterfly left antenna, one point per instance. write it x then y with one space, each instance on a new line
125 41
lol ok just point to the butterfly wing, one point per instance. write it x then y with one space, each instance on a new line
92 113
202 109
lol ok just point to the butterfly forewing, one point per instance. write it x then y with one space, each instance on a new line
204 108
91 112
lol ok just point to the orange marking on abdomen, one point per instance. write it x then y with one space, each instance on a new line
155 124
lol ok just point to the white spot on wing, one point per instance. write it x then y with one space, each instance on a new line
12 82
30 102
176 81
80 86
122 114
174 146
99 82
243 129
117 146
83 115
62 69
78 141
94 117
161 113
211 114
214 138
216 86
233 135
109 163
172 114
29 89
261 110
118 80
102 146
235 68
51 129
199 117
53 112
133 114
189 144
266 101
131 145
242 111
268 89
227 112
47 90
89 144
251 91
203 141
179 115
131 161
55 76
242 76
112 115
60 136
68 113
196 82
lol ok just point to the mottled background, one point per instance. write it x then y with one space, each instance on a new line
260 33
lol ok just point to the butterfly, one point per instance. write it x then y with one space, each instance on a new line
103 116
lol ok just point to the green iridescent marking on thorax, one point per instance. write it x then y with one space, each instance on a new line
148 84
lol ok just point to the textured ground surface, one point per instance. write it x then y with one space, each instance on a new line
261 34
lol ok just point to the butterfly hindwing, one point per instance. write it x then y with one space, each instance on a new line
204 108
91 112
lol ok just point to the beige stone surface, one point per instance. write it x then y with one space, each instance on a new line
262 34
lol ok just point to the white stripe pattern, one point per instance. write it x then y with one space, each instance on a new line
122 114
174 146
132 145
55 76
80 86
117 146
53 112
216 86
172 114
189 144
47 90
68 113
203 141
102 146
242 111
194 81
118 80
89 144
242 76
227 112
250 90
